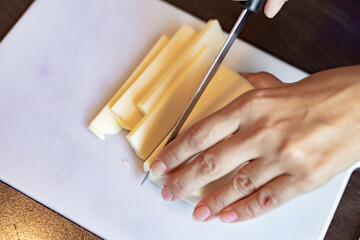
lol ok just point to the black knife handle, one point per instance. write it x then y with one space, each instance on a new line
254 5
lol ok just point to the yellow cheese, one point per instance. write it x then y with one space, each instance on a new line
210 36
223 88
125 108
105 123
161 118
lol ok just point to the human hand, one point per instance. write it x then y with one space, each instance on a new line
295 138
272 7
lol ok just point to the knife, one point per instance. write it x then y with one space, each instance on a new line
249 6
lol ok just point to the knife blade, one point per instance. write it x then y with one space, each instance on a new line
249 7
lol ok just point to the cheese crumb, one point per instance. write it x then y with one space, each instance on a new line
127 164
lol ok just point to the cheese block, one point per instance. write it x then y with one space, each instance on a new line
211 36
223 88
125 108
105 123
162 117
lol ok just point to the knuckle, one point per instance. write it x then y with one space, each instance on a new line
171 158
255 98
242 184
207 163
252 95
218 202
248 212
257 95
267 199
269 133
196 136
293 153
308 177
177 186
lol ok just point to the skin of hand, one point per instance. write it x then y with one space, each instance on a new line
272 7
293 137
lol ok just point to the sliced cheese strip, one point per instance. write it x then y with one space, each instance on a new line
105 123
223 88
161 118
125 108
210 36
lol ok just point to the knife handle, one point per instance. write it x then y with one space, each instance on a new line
254 5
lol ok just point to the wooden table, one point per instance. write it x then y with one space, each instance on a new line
311 35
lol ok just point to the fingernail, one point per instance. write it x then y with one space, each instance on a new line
158 167
202 213
166 194
228 217
275 10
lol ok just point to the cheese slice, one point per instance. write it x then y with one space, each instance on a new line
162 117
223 88
211 36
125 108
105 123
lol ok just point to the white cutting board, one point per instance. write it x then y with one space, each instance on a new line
58 66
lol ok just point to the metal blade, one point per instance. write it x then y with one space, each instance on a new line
210 74
146 177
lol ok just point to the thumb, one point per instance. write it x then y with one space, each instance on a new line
262 80
272 7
